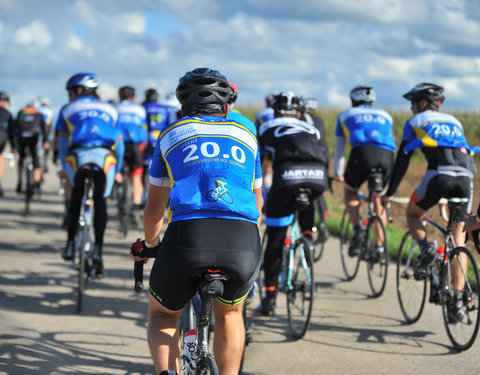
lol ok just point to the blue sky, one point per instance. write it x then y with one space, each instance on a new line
315 48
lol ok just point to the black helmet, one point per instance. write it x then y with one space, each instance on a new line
151 95
286 103
204 89
86 80
126 92
4 96
428 91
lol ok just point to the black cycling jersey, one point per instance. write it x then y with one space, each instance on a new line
7 126
289 139
29 123
320 125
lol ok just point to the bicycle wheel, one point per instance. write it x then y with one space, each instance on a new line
319 230
463 329
124 207
301 292
83 267
411 288
207 366
30 185
350 264
377 261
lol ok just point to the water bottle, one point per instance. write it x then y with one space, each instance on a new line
283 274
436 268
189 347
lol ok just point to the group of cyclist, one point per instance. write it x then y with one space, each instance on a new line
205 145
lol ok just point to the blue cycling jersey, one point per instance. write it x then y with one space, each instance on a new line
431 129
366 126
212 166
157 119
89 122
266 114
237 116
132 121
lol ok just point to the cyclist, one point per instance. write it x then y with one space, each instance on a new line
190 157
47 112
369 133
299 160
30 128
450 170
235 114
309 108
87 135
266 113
174 107
132 122
7 126
158 116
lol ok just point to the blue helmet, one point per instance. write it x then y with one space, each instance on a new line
87 80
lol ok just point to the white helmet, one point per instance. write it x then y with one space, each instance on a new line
363 93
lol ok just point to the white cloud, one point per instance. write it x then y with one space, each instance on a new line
75 43
35 33
133 23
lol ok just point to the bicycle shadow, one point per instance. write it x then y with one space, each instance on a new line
70 352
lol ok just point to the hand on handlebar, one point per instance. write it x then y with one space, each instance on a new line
140 252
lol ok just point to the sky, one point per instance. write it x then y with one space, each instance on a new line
314 48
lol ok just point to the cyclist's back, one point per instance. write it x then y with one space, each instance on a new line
87 136
299 161
208 168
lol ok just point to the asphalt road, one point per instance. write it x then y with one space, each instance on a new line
40 332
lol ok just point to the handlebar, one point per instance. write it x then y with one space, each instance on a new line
143 252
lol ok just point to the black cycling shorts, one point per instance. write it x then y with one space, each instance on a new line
364 158
437 185
30 144
133 158
191 246
287 179
3 140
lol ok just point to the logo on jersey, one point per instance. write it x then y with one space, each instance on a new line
300 174
219 193
283 130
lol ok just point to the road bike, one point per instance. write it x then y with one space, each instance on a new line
297 274
30 187
461 324
373 247
125 202
196 319
83 252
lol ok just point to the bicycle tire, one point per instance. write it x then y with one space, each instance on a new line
124 207
411 290
350 264
207 366
463 332
318 243
29 189
377 264
302 292
82 269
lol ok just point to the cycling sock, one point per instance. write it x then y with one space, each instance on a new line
308 234
168 372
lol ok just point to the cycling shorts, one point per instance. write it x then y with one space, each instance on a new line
448 184
192 246
30 144
364 158
287 179
133 157
3 140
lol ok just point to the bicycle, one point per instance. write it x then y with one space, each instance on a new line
125 202
373 241
297 274
83 255
195 316
412 281
30 187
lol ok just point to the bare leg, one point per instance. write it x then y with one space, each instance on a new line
352 202
458 280
414 215
2 162
163 337
229 337
137 188
382 213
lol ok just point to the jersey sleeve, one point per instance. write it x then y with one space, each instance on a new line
158 169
